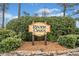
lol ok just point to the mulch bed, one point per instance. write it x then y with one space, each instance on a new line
40 49
39 46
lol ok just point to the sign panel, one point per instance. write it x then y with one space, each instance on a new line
39 28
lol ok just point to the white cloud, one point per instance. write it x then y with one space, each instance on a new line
44 10
55 10
77 24
6 14
8 17
75 10
50 12
57 14
14 17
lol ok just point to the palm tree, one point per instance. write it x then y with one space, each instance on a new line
26 13
19 10
3 8
64 10
67 6
77 12
35 14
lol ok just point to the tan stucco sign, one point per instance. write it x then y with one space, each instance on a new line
39 28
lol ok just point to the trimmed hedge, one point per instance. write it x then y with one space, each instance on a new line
59 26
70 41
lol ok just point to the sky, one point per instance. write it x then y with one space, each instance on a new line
52 8
33 8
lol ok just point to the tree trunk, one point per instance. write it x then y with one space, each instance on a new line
64 11
3 14
19 9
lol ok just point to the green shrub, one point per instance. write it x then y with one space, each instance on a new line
77 43
52 37
77 31
26 36
9 44
68 41
59 26
6 33
9 40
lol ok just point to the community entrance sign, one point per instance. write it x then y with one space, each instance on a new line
39 29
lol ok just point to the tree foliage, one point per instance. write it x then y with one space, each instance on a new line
59 26
67 6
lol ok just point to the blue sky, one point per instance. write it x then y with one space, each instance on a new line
32 8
